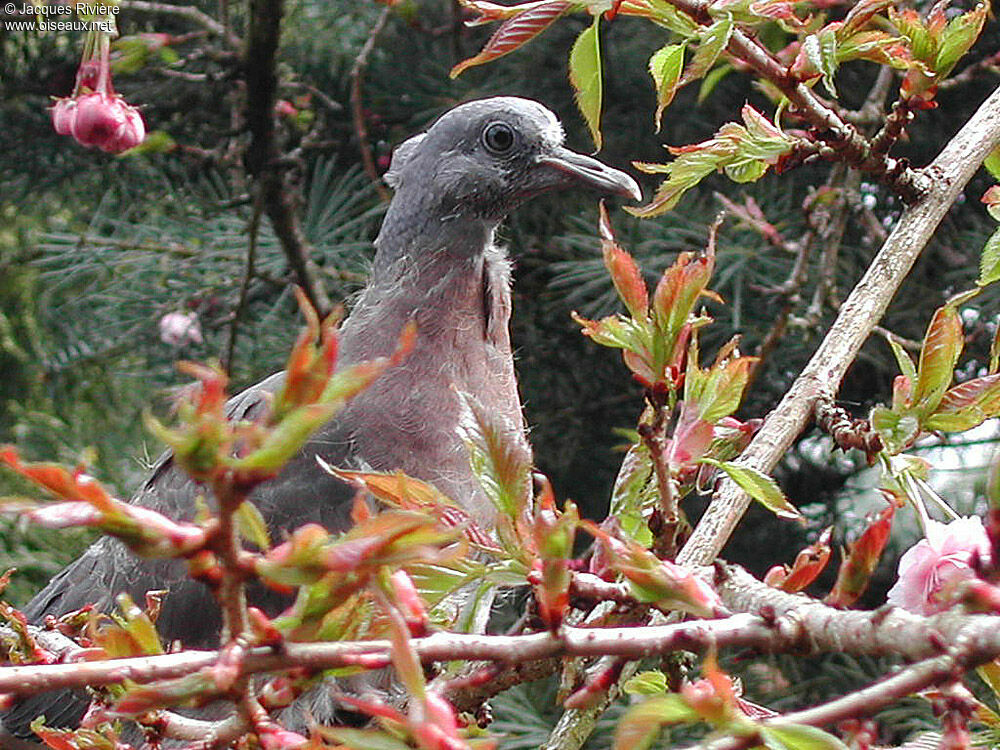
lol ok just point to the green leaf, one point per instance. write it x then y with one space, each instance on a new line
364 739
653 682
746 171
713 41
989 263
585 75
252 526
898 430
960 34
992 163
712 79
759 486
156 142
642 723
939 354
634 487
903 359
498 462
967 405
665 66
799 737
676 20
821 49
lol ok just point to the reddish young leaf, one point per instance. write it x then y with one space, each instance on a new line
624 272
515 32
661 583
73 486
809 563
553 534
861 559
939 354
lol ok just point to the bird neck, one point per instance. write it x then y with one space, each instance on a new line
445 274
419 226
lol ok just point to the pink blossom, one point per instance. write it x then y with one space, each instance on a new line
179 328
95 115
929 570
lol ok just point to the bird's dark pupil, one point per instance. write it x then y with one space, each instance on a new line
499 137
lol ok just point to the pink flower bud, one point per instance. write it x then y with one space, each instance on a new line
63 116
130 134
97 120
106 122
179 328
285 108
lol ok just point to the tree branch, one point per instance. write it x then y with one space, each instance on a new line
260 58
187 12
865 306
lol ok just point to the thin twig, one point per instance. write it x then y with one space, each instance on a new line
248 274
188 12
357 108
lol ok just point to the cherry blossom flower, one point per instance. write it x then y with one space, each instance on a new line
930 569
95 116
179 328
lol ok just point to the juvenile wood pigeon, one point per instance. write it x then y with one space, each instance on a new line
437 263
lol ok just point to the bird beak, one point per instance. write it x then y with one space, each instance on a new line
577 169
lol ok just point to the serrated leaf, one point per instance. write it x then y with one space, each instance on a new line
642 723
903 359
364 739
939 354
498 462
744 152
652 682
860 14
799 737
713 41
745 171
897 430
252 526
826 58
759 486
967 405
960 34
625 274
989 262
585 76
860 560
515 32
665 66
676 20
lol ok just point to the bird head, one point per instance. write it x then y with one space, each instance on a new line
485 157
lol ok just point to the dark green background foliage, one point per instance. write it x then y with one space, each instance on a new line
95 249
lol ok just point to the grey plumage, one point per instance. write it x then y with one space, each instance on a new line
435 263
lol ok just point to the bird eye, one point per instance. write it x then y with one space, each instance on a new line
498 138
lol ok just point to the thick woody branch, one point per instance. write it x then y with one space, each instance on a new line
262 156
770 621
858 315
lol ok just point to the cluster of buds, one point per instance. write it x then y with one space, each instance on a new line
94 114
